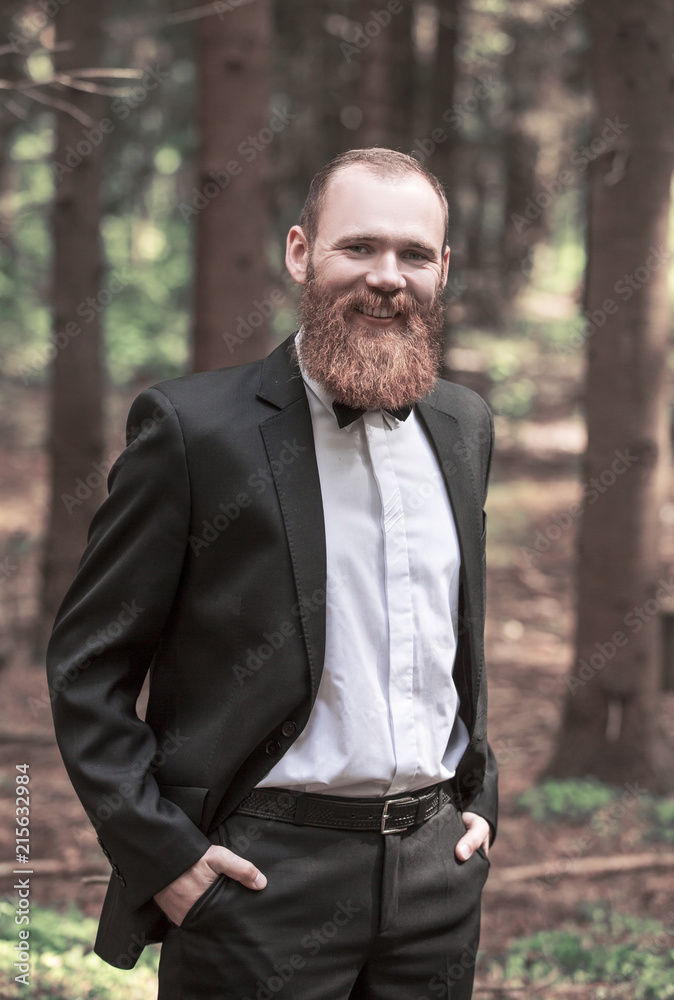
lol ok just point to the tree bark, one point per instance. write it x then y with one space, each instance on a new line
232 304
76 438
384 90
443 89
609 727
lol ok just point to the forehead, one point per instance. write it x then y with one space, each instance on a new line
357 199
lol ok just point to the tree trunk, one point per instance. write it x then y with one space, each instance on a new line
443 90
384 91
76 411
523 73
609 728
230 203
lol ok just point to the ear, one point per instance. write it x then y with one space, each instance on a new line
297 254
445 266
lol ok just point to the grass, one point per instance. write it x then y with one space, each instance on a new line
62 963
610 950
573 801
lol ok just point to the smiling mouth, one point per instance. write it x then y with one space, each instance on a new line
380 312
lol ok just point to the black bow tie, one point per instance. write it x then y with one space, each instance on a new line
347 414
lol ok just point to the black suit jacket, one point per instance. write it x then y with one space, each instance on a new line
206 566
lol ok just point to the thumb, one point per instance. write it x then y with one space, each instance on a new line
466 846
225 862
477 834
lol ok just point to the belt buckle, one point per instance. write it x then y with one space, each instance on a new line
384 815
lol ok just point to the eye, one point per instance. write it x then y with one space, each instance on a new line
416 256
357 248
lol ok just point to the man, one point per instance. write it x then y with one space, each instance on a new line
295 550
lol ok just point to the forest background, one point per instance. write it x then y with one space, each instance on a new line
152 157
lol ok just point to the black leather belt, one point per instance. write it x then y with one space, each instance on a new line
392 815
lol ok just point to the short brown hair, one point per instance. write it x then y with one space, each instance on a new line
387 162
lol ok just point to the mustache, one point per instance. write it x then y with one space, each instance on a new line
400 302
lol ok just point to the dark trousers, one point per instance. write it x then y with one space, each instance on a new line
344 916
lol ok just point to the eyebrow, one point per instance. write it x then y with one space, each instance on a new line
413 244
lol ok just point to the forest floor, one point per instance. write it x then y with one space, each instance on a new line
529 652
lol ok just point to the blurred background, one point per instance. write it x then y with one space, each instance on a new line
152 157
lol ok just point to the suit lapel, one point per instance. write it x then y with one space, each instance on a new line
454 459
289 442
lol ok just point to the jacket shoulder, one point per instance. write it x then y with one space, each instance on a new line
274 379
460 402
215 381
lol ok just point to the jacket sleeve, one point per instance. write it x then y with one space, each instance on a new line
485 803
102 646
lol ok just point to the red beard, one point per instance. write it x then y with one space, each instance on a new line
384 369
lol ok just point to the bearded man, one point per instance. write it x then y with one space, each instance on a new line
294 549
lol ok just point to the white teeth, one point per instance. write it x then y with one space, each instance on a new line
379 313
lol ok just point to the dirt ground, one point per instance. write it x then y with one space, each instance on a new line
529 650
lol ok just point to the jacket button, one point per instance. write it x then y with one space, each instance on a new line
118 875
104 849
289 729
272 748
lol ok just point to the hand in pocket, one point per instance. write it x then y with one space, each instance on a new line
180 896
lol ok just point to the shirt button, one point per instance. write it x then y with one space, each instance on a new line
272 748
289 729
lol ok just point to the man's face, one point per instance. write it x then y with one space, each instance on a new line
380 233
371 303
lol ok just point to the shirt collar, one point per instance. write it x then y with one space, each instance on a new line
327 400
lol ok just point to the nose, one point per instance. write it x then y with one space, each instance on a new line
385 273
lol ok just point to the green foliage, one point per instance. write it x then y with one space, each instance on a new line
146 242
24 242
660 813
62 964
573 800
523 364
147 322
613 948
144 296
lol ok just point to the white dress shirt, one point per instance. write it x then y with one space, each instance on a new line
385 719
